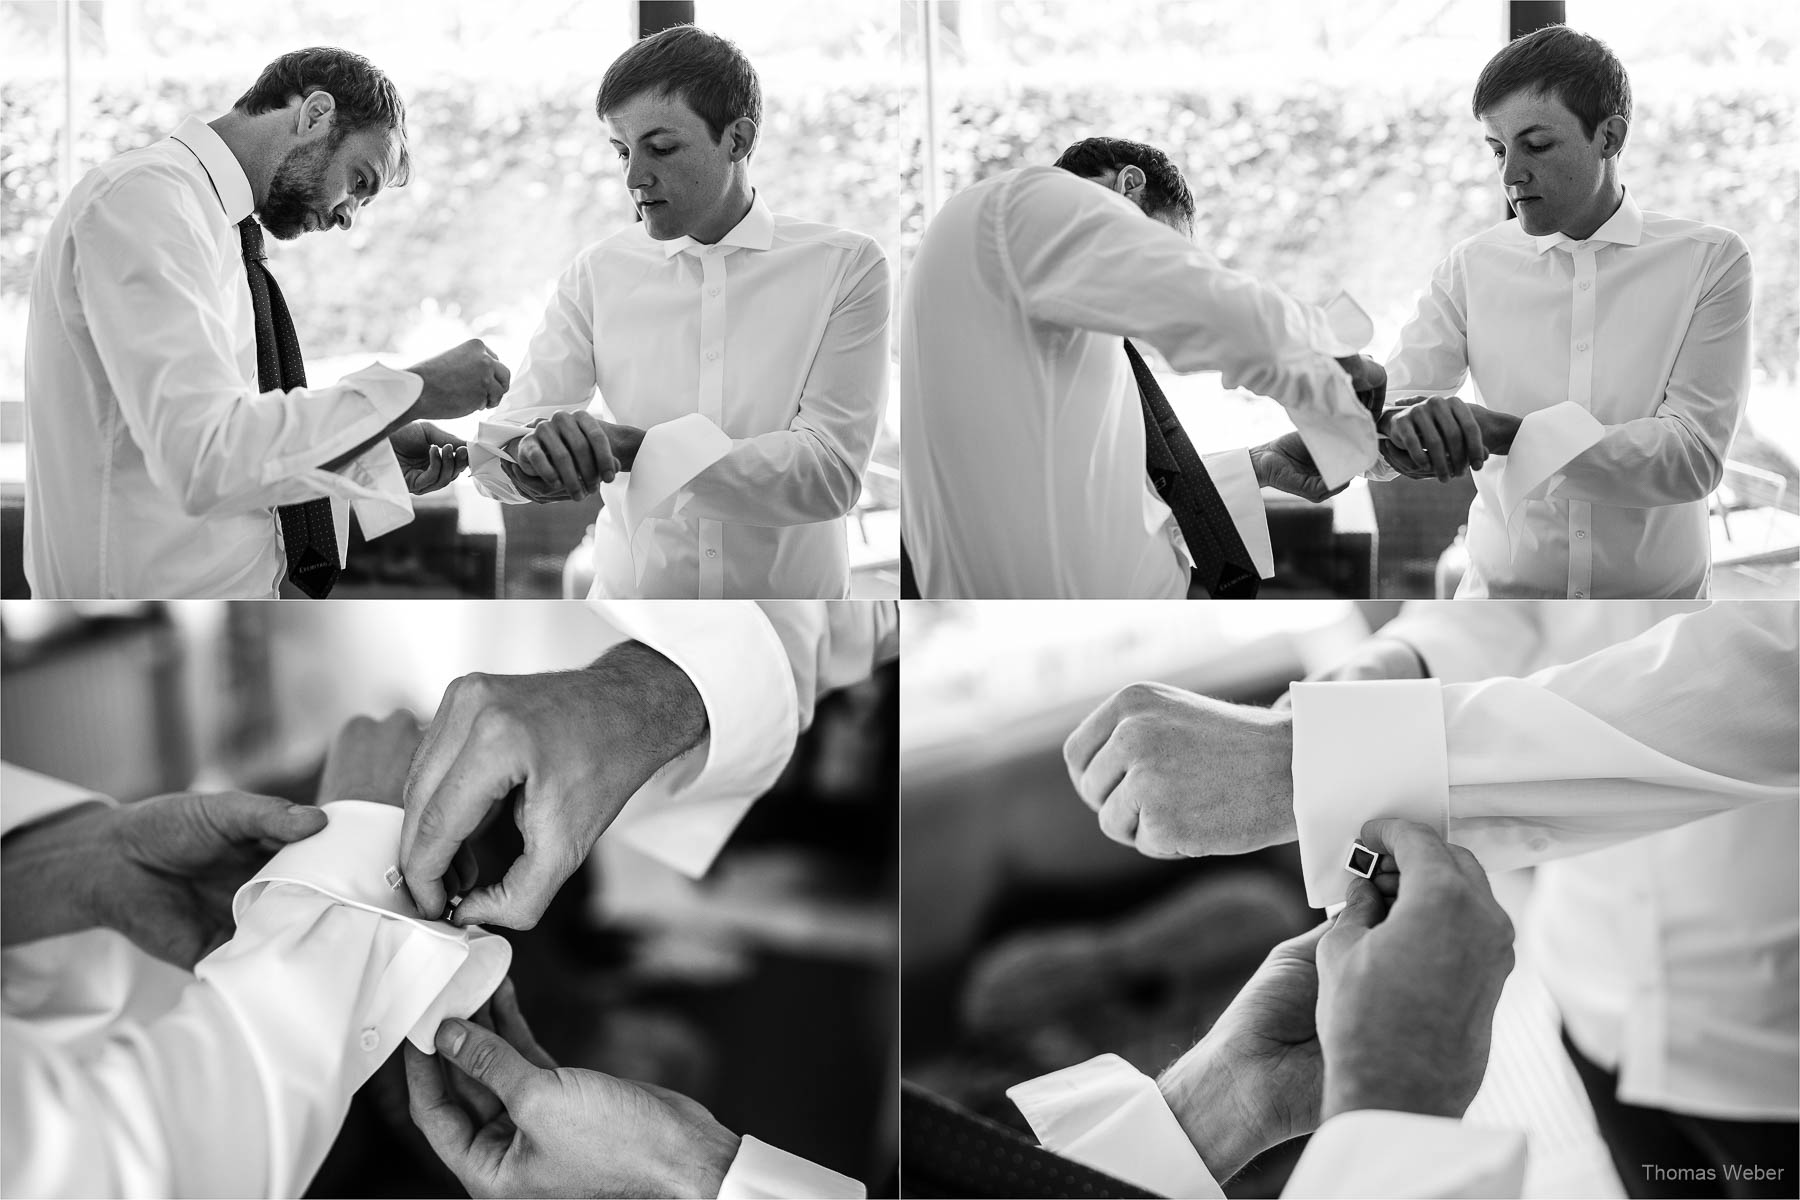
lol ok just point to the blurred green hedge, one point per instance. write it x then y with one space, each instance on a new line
507 186
1323 187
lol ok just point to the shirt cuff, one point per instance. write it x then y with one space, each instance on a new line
1545 443
1235 476
1108 1115
1392 1154
349 862
667 461
763 1172
686 812
1338 432
32 797
1340 783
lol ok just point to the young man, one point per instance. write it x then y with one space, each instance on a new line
1609 346
173 447
741 356
1040 458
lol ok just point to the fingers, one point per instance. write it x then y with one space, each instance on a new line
243 817
518 900
463 873
1104 774
1363 909
1418 851
1088 738
549 437
482 774
1431 438
1119 820
510 1024
486 1057
1475 452
576 445
438 1117
463 701
606 462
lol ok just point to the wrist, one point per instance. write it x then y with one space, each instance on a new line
651 706
699 1167
52 870
1198 1089
1383 1087
1278 785
626 442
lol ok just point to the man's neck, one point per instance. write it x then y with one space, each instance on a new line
738 207
245 141
1600 214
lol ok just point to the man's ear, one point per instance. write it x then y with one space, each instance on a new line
1130 184
316 109
740 138
1612 132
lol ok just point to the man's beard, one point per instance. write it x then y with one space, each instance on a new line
296 192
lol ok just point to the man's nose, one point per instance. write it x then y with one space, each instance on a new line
1513 172
637 175
345 213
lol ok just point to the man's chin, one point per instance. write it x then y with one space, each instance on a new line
661 227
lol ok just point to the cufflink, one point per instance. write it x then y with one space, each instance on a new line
1362 860
451 906
393 878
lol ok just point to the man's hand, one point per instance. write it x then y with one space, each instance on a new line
508 1122
1287 465
565 750
572 449
369 759
459 381
161 871
1180 775
429 457
1441 437
1407 993
1254 1080
1368 379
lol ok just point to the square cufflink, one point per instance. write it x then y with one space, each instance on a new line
1362 860
393 878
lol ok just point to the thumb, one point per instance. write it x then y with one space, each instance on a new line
518 900
486 1057
1363 910
243 817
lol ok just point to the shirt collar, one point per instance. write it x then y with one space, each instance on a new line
229 182
755 232
1625 227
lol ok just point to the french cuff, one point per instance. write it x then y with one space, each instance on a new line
667 461
32 797
685 813
351 862
487 450
1235 477
1108 1115
764 1172
1337 429
1375 1153
1545 443
1339 783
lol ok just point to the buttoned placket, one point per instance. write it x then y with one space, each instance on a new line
709 534
1583 292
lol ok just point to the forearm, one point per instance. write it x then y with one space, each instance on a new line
1647 463
790 477
49 872
1203 1097
663 719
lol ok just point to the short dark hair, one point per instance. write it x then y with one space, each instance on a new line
1165 190
366 98
704 69
1579 70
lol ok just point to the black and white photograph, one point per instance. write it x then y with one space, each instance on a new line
1337 899
375 899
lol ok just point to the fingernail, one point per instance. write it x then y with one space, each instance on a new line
450 1036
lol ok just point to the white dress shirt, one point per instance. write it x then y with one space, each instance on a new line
1108 1115
759 667
127 1077
1628 356
1673 956
1024 472
154 466
759 368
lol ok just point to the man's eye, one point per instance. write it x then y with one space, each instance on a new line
663 151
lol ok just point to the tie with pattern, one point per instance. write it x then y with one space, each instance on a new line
307 532
948 1151
1221 563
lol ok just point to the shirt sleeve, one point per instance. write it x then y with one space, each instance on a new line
1463 642
31 797
813 470
1431 357
1108 1115
760 667
1675 456
240 1087
764 1172
1084 258
556 375
1692 717
164 339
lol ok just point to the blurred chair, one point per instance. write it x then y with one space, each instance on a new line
539 540
1417 520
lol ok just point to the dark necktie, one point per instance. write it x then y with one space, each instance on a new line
307 533
947 1151
1221 563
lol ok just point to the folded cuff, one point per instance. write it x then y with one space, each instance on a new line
1545 443
1235 476
764 1172
1363 750
1395 1155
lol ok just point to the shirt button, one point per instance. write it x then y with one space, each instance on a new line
1581 345
1580 533
715 291
1581 595
369 1039
712 354
1585 285
712 554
